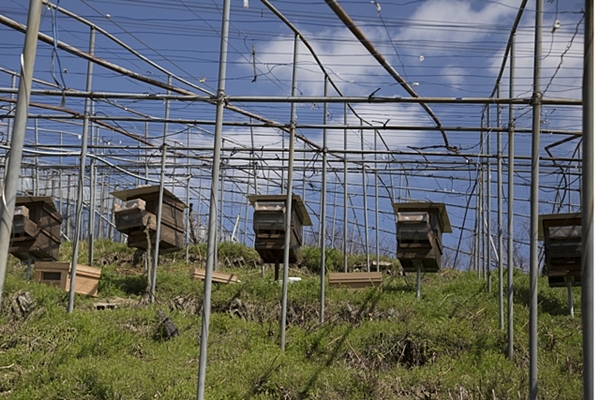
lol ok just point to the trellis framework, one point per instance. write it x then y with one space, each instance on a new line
368 149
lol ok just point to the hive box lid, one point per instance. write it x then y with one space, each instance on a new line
440 208
139 192
545 219
24 200
304 217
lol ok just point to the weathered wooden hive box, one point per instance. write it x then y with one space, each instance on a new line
419 228
561 234
36 229
59 274
137 216
269 226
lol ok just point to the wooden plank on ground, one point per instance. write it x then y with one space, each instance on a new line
355 280
217 277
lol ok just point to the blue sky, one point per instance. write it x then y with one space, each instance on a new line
442 48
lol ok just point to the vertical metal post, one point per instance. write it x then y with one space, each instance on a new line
92 212
480 214
146 159
333 216
510 210
188 210
418 281
589 148
161 190
222 207
536 101
323 225
61 203
92 202
36 170
477 241
101 233
570 295
288 206
29 262
246 213
80 183
69 207
500 224
488 211
484 242
254 176
13 164
212 225
345 227
111 226
376 200
365 199
13 85
475 251
200 205
304 187
282 161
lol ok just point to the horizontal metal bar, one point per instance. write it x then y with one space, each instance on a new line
297 99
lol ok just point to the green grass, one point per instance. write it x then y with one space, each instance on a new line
382 344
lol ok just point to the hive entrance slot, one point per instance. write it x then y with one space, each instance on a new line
51 276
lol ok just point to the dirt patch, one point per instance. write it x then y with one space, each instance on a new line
355 314
189 304
248 311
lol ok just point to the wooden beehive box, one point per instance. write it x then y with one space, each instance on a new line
137 218
561 234
419 228
218 277
59 274
36 229
269 226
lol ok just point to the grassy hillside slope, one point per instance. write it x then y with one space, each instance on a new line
374 344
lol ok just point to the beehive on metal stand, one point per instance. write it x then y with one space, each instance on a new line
137 218
419 228
36 229
561 234
269 226
59 274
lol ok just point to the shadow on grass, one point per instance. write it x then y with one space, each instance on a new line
264 385
400 284
129 284
366 307
548 301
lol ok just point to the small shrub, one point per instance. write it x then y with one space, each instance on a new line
310 258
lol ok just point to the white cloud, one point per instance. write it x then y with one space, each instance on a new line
447 14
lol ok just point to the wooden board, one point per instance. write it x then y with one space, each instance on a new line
217 277
355 280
